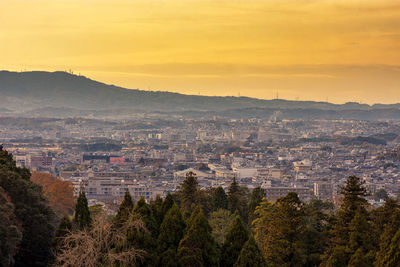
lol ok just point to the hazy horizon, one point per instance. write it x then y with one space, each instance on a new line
317 50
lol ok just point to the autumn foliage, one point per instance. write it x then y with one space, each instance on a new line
59 193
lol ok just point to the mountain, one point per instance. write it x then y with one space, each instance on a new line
40 93
60 89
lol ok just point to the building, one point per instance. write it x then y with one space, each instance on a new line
323 190
274 193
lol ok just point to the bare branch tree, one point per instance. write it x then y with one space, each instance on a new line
101 245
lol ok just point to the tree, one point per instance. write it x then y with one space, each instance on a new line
31 210
171 232
389 217
167 204
144 211
82 217
279 231
235 239
392 256
10 230
125 210
360 240
219 199
346 234
198 248
380 194
250 255
384 216
59 193
64 229
95 210
316 230
156 207
237 200
144 239
188 192
221 222
255 199
99 245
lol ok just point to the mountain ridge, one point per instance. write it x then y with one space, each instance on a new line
38 89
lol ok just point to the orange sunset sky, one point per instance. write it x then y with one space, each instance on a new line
302 49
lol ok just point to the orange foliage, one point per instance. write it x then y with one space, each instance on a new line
59 193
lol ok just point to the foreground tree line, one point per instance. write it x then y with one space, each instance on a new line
195 227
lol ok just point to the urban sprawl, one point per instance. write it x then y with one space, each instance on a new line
151 155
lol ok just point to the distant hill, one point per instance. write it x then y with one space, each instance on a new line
39 93
61 89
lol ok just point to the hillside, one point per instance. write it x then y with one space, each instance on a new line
28 90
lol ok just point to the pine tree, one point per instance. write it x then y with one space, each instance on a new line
156 207
392 256
221 222
316 230
250 255
198 248
171 232
64 228
125 209
389 231
345 228
219 199
167 204
143 210
82 217
237 200
235 239
280 231
255 199
144 239
188 192
360 240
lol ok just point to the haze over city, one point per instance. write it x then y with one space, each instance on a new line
191 133
336 51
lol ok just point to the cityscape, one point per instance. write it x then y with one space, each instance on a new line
199 133
150 156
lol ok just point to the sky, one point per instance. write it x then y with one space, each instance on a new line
322 50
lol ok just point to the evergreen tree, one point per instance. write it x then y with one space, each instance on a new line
237 200
31 211
392 256
234 195
125 209
219 199
143 210
235 239
255 199
388 232
350 222
360 240
280 231
144 239
168 258
386 221
250 255
156 207
316 230
221 222
167 204
82 217
64 228
198 248
171 232
188 192
10 232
